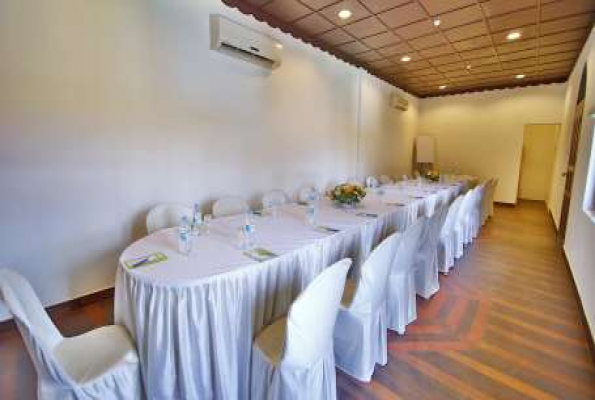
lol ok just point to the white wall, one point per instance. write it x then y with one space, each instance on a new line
108 107
482 133
580 234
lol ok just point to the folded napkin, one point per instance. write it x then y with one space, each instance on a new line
392 203
327 229
143 261
367 215
259 254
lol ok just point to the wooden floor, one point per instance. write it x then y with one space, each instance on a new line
505 325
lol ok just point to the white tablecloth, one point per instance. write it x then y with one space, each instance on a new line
194 317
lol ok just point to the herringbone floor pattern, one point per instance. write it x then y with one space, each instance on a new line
505 325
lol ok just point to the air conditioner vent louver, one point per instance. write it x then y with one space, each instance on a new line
235 40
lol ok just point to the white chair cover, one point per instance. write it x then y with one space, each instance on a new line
293 358
475 221
305 194
386 180
101 364
360 331
405 177
426 259
461 225
446 241
354 180
372 182
401 302
491 197
229 205
274 198
164 216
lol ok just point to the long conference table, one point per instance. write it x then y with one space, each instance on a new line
194 317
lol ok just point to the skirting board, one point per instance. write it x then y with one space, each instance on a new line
67 305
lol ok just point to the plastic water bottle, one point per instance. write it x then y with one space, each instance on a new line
248 231
311 209
184 237
196 220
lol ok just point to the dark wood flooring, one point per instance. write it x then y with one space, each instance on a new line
505 325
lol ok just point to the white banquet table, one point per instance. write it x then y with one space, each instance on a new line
194 317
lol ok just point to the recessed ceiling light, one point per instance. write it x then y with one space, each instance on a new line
520 76
513 35
405 58
437 22
344 14
468 66
442 87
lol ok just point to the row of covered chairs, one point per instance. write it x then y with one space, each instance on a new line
335 321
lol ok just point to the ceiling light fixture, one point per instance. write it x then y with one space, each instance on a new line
442 87
520 76
468 66
405 58
345 14
437 22
514 35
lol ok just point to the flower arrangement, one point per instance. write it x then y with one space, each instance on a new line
347 194
432 175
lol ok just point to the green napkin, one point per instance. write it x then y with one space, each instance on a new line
151 259
259 254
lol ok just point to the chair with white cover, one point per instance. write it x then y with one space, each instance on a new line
274 198
386 180
100 364
372 182
446 240
360 331
405 177
401 295
293 357
167 215
461 224
492 192
306 193
354 180
476 210
426 259
229 205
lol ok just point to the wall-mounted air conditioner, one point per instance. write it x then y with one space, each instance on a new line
233 39
399 102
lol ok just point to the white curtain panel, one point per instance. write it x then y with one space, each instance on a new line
360 331
101 364
401 302
293 358
164 216
426 259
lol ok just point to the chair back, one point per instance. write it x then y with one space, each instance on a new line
229 205
274 198
430 203
168 215
372 182
311 318
371 289
451 216
405 177
465 209
37 329
385 180
305 194
408 247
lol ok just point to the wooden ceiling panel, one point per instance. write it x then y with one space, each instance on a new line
398 41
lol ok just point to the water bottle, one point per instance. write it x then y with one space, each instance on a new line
184 237
196 220
248 231
311 209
